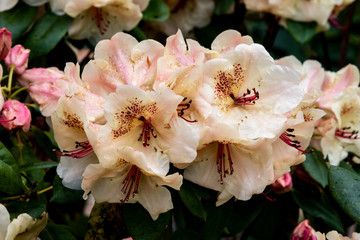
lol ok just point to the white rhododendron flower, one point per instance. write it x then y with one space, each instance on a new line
298 10
122 60
100 19
334 235
23 227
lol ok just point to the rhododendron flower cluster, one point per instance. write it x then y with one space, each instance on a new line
224 114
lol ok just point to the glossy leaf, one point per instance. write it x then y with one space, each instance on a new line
302 32
32 207
45 142
18 19
38 165
345 187
56 232
192 200
316 167
157 11
10 181
7 157
63 195
46 34
319 207
140 224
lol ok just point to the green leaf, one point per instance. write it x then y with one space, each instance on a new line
10 181
345 187
217 220
140 224
319 207
245 213
18 19
56 232
316 167
192 200
32 207
138 34
185 234
222 6
156 11
46 34
7 157
302 32
38 165
64 195
44 141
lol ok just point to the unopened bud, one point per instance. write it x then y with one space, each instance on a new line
15 115
304 231
283 184
5 43
18 56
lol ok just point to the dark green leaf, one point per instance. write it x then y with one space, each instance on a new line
185 234
157 11
18 19
46 34
319 207
33 208
345 187
217 220
244 214
10 181
138 34
316 167
222 6
56 232
192 200
302 32
63 195
44 141
140 224
7 157
38 165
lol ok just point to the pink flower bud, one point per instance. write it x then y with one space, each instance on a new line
5 43
18 56
15 115
283 184
304 231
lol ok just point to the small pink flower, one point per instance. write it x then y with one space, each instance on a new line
15 115
283 184
5 43
18 56
304 231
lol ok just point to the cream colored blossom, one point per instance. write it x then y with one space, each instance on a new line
100 19
298 10
23 227
334 235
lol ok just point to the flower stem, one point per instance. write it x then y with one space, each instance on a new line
11 73
18 91
45 190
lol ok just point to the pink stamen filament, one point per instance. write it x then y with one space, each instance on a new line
343 133
182 107
131 183
146 132
82 149
222 151
100 19
285 137
246 99
7 120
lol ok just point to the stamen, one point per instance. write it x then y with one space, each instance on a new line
7 120
285 137
101 20
146 132
182 107
131 183
223 150
82 149
245 99
345 133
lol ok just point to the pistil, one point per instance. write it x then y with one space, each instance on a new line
223 161
146 132
346 133
246 98
131 183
